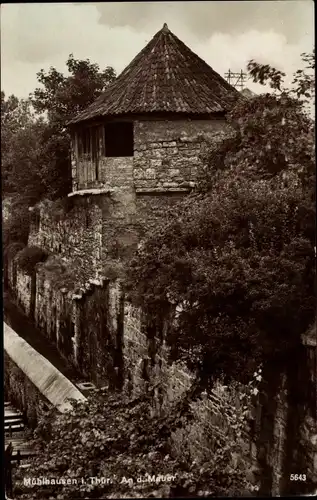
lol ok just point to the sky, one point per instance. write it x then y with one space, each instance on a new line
225 34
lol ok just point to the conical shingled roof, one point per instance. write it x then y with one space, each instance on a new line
166 76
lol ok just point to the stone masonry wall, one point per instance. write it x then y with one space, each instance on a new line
23 285
99 335
112 173
23 394
166 157
167 152
85 324
153 207
93 229
215 413
87 231
74 233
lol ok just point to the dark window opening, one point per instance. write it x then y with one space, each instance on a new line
119 139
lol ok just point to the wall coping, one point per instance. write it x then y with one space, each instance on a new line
164 190
47 379
83 192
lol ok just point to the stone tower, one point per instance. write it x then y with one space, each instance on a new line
144 132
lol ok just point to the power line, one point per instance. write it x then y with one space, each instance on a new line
235 79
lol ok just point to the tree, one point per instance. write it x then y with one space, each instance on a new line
236 263
22 184
232 271
61 97
303 84
20 148
34 140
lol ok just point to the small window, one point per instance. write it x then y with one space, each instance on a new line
119 139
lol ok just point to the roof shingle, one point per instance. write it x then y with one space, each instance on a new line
166 76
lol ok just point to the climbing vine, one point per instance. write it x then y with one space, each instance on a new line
117 437
29 257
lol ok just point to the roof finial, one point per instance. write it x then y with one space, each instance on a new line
165 28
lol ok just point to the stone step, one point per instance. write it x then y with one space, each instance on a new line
8 412
23 455
13 421
14 428
19 443
9 408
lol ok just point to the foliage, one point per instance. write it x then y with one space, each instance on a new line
62 96
303 84
113 269
236 261
220 432
59 274
113 436
34 140
60 208
20 147
29 257
16 226
12 249
272 133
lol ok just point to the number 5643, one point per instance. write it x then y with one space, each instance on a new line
298 477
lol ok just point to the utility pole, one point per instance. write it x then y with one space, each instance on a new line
237 80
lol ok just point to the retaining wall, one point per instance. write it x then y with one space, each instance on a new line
31 381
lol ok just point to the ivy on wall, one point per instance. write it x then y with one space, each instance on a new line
98 343
29 257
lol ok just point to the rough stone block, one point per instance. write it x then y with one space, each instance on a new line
150 173
170 184
157 153
174 172
138 173
155 163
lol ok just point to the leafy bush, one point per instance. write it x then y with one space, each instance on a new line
59 274
29 257
12 249
235 264
115 437
238 261
16 226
